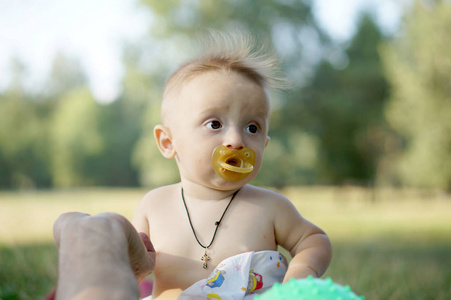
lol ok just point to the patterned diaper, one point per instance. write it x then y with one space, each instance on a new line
240 277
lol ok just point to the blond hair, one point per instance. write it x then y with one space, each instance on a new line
235 51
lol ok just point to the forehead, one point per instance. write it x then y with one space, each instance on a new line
221 89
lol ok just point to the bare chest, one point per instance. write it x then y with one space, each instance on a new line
180 246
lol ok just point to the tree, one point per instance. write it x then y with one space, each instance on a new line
140 106
418 67
66 74
76 140
27 123
341 112
24 144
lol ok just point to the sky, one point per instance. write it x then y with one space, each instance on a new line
93 31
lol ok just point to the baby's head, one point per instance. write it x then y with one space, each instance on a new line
218 99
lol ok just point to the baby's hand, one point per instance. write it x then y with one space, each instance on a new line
142 265
140 249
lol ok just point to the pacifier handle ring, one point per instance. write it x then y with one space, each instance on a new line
236 169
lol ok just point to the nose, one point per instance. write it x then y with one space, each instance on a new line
234 140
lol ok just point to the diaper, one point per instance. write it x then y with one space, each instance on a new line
240 277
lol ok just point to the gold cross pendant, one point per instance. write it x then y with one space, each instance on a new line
205 258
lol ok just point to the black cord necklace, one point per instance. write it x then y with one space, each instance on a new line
205 258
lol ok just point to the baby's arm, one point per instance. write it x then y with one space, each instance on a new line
308 244
139 221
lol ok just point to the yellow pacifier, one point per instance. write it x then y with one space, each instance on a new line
233 165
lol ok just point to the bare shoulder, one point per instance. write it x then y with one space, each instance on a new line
280 207
152 203
266 195
155 196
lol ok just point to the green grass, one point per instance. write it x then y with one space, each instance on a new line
27 272
390 269
397 247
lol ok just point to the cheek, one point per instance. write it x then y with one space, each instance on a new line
259 148
260 154
197 157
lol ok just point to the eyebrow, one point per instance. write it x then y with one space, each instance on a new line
212 110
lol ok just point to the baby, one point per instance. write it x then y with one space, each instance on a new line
214 233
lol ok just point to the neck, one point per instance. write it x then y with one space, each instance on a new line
194 190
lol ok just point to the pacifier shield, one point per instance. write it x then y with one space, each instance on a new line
233 165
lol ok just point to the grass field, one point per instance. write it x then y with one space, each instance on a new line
391 244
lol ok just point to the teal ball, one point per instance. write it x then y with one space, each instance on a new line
309 289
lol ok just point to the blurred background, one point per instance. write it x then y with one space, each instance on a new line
369 105
364 130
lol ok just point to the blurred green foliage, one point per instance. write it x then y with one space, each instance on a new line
418 66
340 110
375 111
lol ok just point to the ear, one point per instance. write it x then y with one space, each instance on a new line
267 141
164 141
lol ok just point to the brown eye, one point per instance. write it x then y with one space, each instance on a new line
252 128
214 125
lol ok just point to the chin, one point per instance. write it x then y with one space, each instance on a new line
224 185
